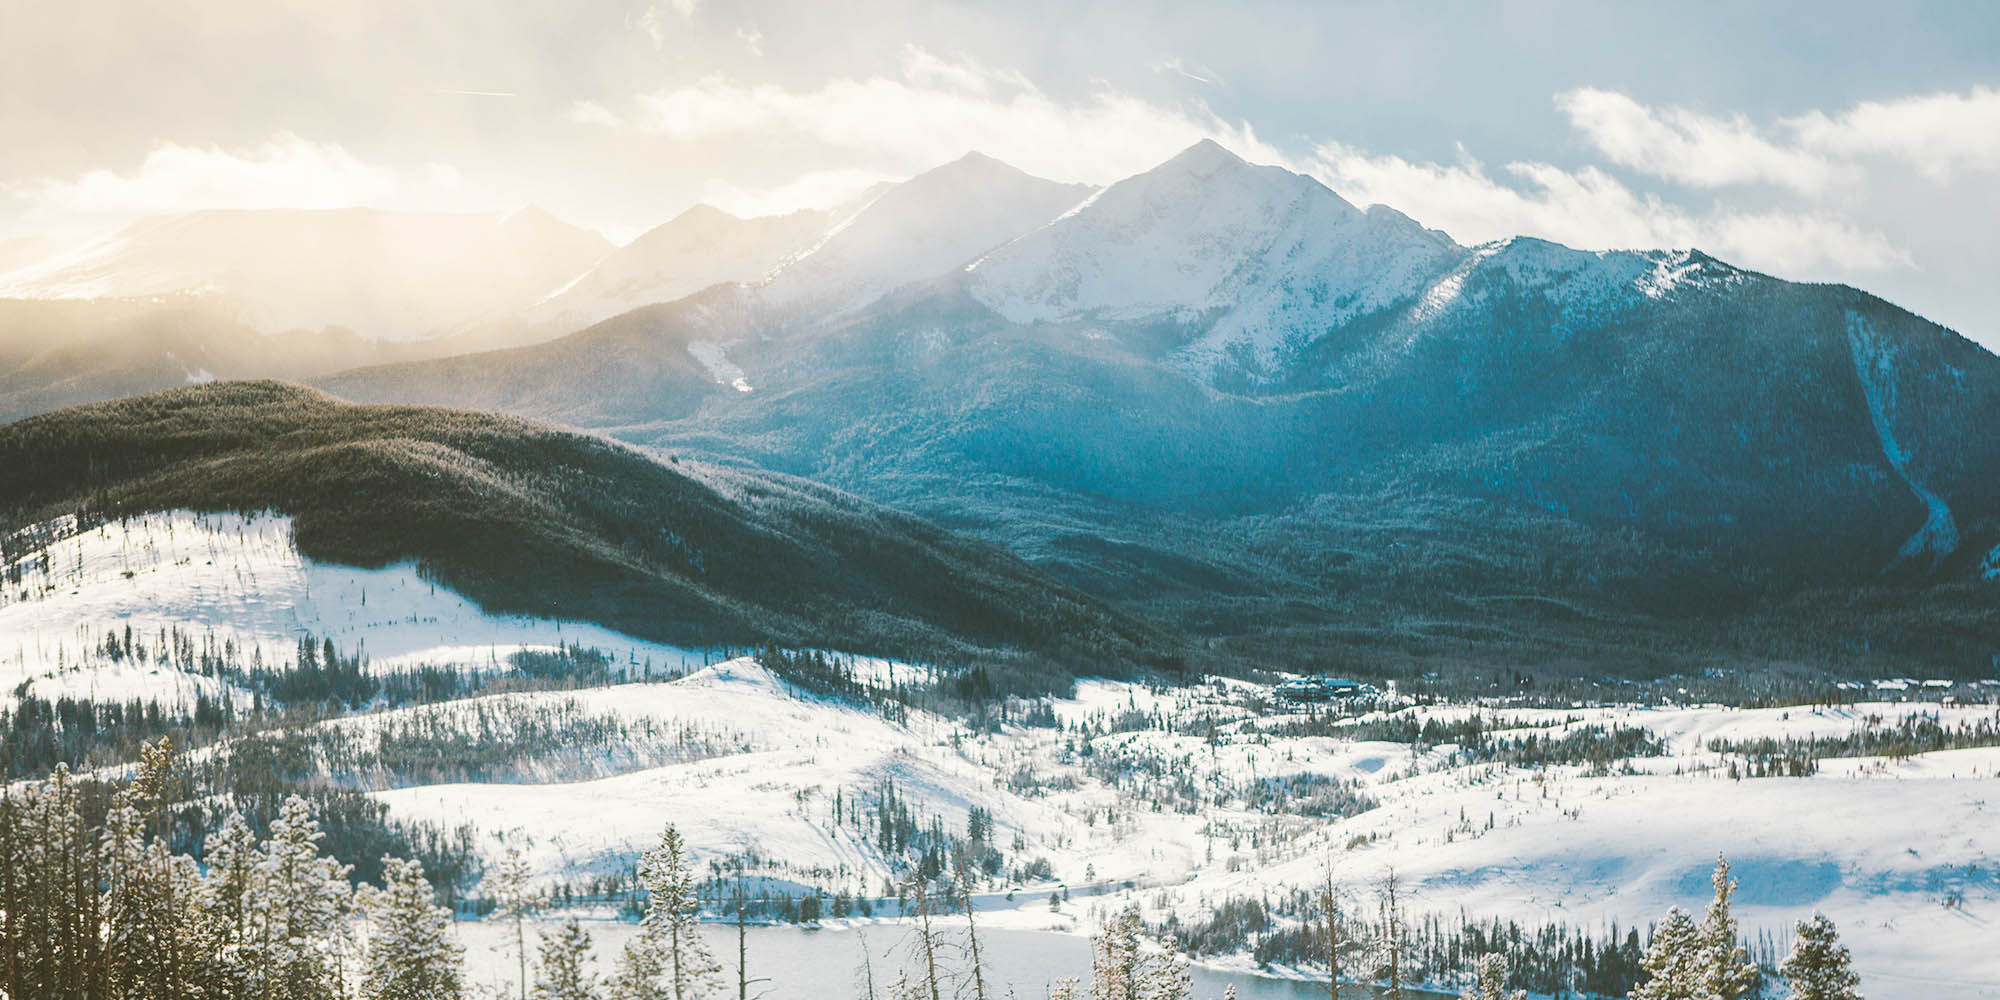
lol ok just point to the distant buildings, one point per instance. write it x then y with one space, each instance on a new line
1322 688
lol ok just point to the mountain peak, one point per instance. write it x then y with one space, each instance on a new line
973 168
1206 155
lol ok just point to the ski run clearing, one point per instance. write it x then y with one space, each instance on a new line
1903 853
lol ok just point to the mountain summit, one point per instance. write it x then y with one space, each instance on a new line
1247 265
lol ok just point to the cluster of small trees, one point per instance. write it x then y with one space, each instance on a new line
1378 944
1689 961
111 911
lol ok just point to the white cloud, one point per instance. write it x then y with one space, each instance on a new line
1689 147
1589 208
1935 133
284 172
936 110
1816 153
1193 71
656 23
818 189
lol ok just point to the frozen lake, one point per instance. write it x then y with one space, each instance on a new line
827 964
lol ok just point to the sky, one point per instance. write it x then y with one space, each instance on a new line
1824 141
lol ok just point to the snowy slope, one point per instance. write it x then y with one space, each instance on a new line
1878 845
702 246
775 797
924 227
1875 367
228 578
1255 260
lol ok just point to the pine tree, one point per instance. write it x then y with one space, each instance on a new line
1391 948
1121 970
1675 963
672 921
149 933
1729 974
637 976
1490 981
411 954
565 965
1818 967
295 905
513 901
1114 966
1163 977
222 902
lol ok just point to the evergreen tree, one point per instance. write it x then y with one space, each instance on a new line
411 954
1391 949
514 899
673 914
1165 978
1675 964
565 965
1728 974
1121 970
637 976
1818 967
149 933
223 903
294 907
1490 981
1114 967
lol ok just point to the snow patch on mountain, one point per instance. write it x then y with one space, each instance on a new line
1875 367
237 581
702 246
714 357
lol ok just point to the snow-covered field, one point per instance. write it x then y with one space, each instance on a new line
1903 853
235 580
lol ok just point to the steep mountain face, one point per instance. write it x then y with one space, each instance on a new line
702 246
381 275
524 518
1224 269
924 227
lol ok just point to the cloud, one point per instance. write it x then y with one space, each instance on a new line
935 110
286 171
657 20
1934 133
1695 149
1193 71
1591 209
1813 153
818 189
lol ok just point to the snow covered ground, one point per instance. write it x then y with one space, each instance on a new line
236 580
1903 853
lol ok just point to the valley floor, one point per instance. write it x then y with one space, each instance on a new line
1173 800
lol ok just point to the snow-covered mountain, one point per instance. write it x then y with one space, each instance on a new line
927 226
384 275
1251 262
702 246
